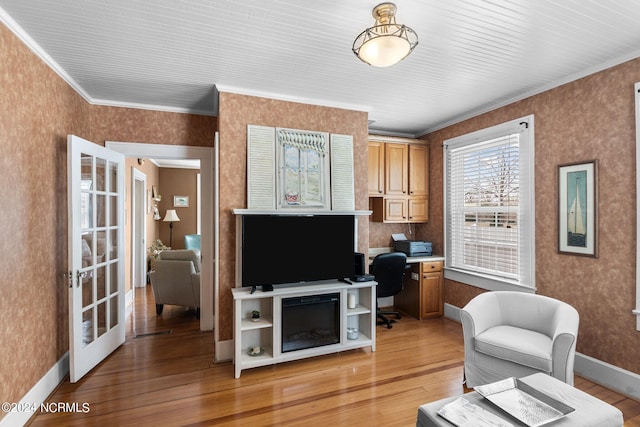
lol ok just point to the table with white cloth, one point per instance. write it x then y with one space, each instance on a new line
589 411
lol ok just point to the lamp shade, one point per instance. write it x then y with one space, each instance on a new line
171 216
384 50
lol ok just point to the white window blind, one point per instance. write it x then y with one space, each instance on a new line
489 225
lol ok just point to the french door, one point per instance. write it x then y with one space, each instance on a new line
96 254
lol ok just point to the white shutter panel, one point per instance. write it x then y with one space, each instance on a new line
342 186
261 167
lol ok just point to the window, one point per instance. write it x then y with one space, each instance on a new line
303 164
489 212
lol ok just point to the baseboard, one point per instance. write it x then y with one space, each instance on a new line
607 375
38 394
452 312
224 351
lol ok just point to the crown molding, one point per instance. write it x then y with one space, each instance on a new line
281 97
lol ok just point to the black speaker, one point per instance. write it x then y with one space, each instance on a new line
359 264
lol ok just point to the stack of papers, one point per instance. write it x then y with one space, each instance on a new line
463 413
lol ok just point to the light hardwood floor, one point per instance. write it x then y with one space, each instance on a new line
170 379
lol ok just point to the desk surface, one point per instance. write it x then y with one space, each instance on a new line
414 259
410 260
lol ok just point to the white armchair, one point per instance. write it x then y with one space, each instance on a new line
175 279
514 334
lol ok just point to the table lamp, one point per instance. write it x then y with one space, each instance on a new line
170 217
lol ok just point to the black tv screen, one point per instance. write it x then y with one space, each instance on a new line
279 249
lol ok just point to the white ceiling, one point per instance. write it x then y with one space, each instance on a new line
473 55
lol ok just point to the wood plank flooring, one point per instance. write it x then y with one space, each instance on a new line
164 375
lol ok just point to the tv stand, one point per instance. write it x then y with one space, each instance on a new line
267 332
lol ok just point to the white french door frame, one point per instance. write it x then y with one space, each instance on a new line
96 264
208 252
138 229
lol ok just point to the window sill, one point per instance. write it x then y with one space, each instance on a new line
485 282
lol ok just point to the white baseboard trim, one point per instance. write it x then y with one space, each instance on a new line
224 351
38 394
607 375
452 312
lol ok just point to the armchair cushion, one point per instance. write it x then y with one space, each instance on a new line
517 345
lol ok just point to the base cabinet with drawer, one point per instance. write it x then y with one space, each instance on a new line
422 294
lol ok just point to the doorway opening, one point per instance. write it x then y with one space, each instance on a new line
207 212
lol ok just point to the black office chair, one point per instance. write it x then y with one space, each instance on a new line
388 270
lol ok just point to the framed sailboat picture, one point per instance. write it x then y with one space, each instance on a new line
578 208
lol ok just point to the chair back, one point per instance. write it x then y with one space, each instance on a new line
192 241
182 255
176 278
388 270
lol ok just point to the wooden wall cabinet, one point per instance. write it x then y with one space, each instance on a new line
418 170
376 169
422 294
399 181
396 169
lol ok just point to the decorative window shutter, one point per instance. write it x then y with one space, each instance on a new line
342 186
261 167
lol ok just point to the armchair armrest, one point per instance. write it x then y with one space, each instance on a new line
565 335
477 316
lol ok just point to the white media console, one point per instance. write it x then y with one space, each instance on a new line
267 333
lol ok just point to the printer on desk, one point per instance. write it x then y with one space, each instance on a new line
413 247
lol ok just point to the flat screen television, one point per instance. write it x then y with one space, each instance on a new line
278 249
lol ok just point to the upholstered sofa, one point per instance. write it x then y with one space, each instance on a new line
175 279
515 334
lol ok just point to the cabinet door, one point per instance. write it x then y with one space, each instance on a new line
408 301
431 298
418 170
396 162
418 208
395 210
376 169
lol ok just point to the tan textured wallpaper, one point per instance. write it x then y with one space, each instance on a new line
592 118
238 111
37 111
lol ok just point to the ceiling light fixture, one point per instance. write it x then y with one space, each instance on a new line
386 43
